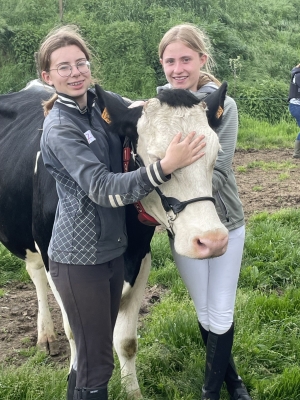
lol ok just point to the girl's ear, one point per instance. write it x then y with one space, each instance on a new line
46 78
161 61
203 59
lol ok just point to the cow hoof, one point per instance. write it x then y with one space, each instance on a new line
53 348
43 347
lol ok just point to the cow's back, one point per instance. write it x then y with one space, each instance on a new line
21 120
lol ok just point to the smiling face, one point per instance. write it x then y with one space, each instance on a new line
75 85
182 66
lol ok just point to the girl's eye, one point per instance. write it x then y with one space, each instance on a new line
64 67
186 60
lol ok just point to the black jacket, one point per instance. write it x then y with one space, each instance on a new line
294 92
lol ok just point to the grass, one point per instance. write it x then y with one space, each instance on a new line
254 134
12 269
267 166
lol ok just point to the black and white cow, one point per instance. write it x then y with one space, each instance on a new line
28 200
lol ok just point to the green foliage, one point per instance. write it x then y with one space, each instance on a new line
125 36
25 42
266 101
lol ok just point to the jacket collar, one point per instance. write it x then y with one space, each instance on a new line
71 103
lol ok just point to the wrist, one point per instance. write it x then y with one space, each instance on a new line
166 167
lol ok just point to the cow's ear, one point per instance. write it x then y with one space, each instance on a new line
123 120
215 105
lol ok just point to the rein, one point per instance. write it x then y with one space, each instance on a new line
170 204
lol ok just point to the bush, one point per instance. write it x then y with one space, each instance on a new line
265 101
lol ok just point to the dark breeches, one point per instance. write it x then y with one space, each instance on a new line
91 297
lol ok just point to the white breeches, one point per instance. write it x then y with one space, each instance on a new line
212 283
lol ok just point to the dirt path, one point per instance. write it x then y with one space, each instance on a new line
260 190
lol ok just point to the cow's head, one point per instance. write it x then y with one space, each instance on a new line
198 230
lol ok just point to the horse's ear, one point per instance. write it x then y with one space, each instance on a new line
215 105
123 120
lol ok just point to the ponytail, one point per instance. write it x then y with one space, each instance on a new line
48 104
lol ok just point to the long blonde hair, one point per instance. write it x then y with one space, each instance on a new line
196 40
58 37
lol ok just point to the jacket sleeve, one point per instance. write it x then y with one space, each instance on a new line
227 133
296 73
66 152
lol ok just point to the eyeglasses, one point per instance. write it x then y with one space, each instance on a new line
65 70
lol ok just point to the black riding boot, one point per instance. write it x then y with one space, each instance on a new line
97 393
234 383
218 350
71 384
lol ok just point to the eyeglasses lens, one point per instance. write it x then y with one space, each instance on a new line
66 70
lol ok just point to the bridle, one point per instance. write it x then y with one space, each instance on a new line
171 205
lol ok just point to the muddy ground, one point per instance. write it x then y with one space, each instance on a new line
260 190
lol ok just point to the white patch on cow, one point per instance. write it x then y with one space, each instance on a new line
198 230
89 136
125 332
36 270
36 83
36 161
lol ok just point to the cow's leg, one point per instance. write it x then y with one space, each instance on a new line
66 324
125 333
46 337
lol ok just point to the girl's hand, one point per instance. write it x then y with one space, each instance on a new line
179 154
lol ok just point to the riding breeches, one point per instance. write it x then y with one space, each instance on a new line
91 297
212 283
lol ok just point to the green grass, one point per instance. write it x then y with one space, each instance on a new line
254 134
12 269
36 379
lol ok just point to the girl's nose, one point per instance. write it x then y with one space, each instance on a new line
178 68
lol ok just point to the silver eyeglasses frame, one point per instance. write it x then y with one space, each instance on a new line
84 64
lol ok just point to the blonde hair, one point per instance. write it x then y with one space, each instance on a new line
58 37
196 40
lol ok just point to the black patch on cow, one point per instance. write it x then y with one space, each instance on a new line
21 119
139 238
178 98
184 98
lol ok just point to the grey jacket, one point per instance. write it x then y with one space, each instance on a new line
225 192
84 157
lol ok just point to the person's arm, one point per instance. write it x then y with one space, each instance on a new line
65 149
227 133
